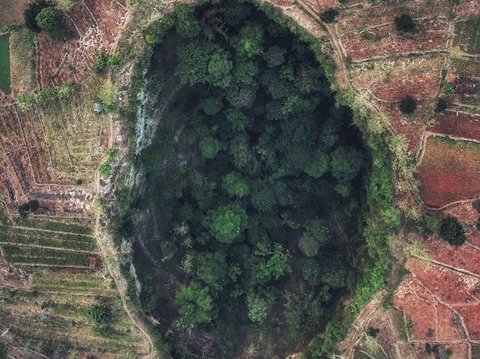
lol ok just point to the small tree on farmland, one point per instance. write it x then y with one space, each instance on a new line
49 19
404 23
442 105
101 314
451 230
329 15
408 105
31 12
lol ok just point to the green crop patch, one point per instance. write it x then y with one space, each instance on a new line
14 235
5 63
70 225
34 256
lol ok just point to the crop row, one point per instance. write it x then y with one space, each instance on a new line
70 225
48 239
43 256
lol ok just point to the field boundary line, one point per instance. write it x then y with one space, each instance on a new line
48 231
62 249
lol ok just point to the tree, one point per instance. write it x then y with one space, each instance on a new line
31 12
329 15
209 147
404 23
442 105
346 162
235 185
408 105
257 308
245 72
275 56
249 42
186 24
193 62
212 268
219 69
316 236
49 19
26 208
451 230
318 165
3 351
226 223
212 105
195 305
275 266
101 314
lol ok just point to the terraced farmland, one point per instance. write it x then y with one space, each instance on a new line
51 278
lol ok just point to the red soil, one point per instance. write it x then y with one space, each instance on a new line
321 5
391 43
458 124
449 172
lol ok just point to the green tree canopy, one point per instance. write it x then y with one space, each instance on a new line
257 308
195 305
226 223
219 69
346 162
49 19
235 185
249 42
209 147
451 230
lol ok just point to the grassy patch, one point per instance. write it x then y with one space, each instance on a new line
41 256
5 63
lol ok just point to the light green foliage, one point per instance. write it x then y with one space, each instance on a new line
275 266
49 19
235 185
195 305
257 308
108 97
43 97
101 315
316 236
66 5
209 147
105 170
194 60
227 223
249 42
219 69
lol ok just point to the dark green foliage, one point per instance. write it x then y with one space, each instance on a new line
329 15
49 19
451 230
104 61
186 24
255 171
31 12
101 315
3 351
476 205
405 23
442 105
30 207
408 105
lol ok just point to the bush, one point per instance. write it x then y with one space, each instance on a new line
26 208
476 205
442 105
101 314
404 23
31 12
49 19
329 15
408 105
451 230
3 351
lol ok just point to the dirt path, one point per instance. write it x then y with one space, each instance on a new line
351 341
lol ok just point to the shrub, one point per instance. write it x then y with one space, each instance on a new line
3 351
49 19
404 23
31 12
101 314
408 105
476 205
210 147
451 230
26 208
442 105
329 15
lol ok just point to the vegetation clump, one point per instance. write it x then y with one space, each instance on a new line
49 19
451 230
329 15
408 105
404 23
256 180
101 315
